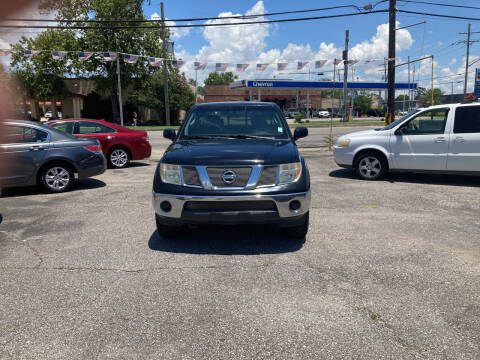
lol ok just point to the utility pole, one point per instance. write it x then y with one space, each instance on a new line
119 90
466 63
196 86
391 59
165 73
345 76
409 91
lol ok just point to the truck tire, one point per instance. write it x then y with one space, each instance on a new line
167 231
299 231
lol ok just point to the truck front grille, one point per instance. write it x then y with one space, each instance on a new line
190 176
268 176
242 175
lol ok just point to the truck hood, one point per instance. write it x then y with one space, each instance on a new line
231 152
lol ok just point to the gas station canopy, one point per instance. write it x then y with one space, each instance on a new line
268 84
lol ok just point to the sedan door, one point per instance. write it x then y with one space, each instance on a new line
464 151
105 134
421 143
22 153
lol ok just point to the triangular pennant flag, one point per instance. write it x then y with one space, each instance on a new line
221 67
31 52
58 55
261 67
352 62
281 66
5 52
241 67
369 61
320 63
301 64
177 64
337 61
130 59
199 66
84 55
156 62
109 56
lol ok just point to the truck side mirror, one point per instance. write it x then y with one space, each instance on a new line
169 134
300 132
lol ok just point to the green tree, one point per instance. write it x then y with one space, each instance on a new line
151 93
140 41
363 101
427 99
216 78
402 97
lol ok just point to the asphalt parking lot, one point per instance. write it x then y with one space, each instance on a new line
389 270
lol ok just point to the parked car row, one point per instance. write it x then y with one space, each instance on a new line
50 155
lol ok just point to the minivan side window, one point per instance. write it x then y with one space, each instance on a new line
22 134
426 123
467 120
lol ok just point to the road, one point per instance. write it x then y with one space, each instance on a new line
389 270
317 136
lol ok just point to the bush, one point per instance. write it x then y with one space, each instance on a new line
298 118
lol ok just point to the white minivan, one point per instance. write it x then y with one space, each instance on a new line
439 139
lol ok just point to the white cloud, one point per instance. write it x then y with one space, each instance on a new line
176 33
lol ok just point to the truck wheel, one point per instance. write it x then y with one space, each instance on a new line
299 231
167 231
370 166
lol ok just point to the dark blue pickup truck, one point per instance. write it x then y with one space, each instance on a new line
232 163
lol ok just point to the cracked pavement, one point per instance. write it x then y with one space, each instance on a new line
389 269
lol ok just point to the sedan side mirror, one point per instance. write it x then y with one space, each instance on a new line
169 134
300 132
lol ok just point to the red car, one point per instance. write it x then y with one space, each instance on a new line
119 144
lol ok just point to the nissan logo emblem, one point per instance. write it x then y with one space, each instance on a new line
229 176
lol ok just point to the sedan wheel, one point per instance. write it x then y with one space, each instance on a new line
370 167
57 178
119 158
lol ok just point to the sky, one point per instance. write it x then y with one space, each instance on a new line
317 39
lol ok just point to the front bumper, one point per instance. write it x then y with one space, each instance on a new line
343 156
282 210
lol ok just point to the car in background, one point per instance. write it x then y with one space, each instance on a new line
437 139
49 114
233 163
33 154
292 112
120 145
324 114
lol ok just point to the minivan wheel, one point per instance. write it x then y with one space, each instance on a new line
57 178
118 158
167 231
370 166
299 231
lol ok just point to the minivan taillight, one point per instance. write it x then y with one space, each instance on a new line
94 148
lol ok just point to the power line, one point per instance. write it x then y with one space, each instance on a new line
439 15
439 4
242 17
188 25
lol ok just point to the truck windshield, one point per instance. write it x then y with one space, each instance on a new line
244 122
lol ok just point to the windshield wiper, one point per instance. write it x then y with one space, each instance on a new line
198 137
247 137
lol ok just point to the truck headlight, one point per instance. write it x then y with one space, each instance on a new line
170 174
342 142
289 172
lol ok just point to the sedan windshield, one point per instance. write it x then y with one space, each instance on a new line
243 122
398 121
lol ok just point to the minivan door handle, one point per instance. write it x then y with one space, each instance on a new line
36 147
440 139
459 139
